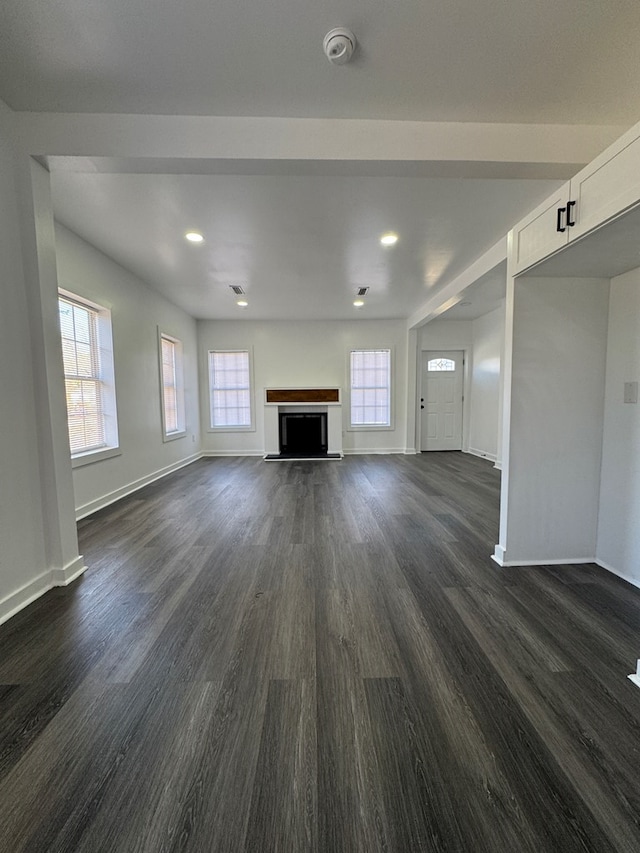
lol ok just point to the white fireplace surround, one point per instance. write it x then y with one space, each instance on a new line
272 413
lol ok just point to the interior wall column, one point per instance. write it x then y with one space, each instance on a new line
39 254
413 412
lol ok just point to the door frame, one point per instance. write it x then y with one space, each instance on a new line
466 390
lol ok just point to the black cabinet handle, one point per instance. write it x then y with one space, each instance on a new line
570 222
559 226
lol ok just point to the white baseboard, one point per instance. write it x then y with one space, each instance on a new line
481 453
214 453
66 575
498 557
410 451
633 581
367 451
499 554
105 500
27 594
18 600
498 464
373 451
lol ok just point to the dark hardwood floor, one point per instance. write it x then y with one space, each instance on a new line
319 656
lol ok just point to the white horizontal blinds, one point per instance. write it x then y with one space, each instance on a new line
81 357
371 387
230 388
169 386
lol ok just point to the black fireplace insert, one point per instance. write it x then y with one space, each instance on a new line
303 434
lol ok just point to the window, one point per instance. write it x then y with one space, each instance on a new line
172 387
87 355
370 372
230 389
440 364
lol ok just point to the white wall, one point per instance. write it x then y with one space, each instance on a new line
305 354
23 556
136 313
619 518
488 335
446 334
551 482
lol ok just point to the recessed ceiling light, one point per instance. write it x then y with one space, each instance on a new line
242 303
358 303
194 237
389 239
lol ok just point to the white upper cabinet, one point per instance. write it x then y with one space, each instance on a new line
606 187
540 233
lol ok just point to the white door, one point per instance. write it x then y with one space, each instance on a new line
441 400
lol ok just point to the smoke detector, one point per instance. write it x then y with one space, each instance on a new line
338 45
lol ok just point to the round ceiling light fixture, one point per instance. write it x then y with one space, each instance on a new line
389 239
358 303
338 45
194 237
242 303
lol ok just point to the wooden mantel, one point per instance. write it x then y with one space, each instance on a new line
284 396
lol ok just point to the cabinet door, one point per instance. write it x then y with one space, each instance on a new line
608 185
536 236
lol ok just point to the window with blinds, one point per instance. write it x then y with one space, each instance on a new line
172 385
370 372
90 403
230 388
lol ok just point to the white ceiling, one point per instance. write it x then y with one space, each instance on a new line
539 61
484 295
301 240
300 246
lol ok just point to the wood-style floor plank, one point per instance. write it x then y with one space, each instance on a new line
314 657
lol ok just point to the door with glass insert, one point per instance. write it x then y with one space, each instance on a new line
441 400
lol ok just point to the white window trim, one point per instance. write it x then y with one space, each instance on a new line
105 342
91 456
249 427
392 384
181 432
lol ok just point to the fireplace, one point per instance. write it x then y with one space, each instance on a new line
302 423
303 433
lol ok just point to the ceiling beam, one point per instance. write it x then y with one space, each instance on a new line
451 293
447 148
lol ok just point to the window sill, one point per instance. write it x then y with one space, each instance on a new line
171 436
94 456
370 428
232 429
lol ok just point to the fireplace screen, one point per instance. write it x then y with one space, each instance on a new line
303 433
